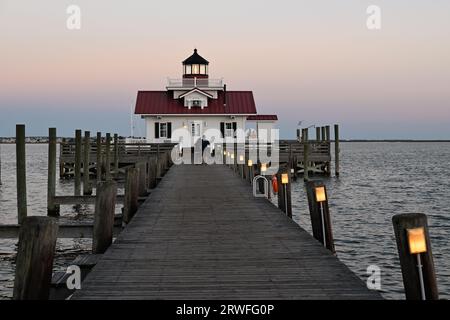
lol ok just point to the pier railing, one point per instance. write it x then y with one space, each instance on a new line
67 149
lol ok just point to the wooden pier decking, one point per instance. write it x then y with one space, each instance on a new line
202 235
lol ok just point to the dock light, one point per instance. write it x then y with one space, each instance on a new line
250 162
228 154
241 158
224 153
263 167
321 197
232 156
320 194
292 170
284 178
418 244
416 240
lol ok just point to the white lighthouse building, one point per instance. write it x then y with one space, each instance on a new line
197 103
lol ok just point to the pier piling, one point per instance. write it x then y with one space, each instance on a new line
108 157
34 263
21 173
284 192
336 150
131 195
99 157
142 173
78 153
105 204
87 188
416 258
320 214
305 156
52 208
116 155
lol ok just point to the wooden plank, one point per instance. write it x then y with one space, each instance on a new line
202 235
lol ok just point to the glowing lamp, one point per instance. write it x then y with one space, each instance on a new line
241 158
228 154
232 156
250 163
416 240
292 170
284 178
224 153
263 167
320 194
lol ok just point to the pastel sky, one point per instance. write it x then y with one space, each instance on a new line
311 60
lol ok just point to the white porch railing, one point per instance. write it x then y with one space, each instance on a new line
194 82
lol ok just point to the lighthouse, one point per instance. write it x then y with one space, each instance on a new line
197 103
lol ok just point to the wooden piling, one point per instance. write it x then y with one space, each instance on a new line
87 188
317 133
327 133
21 173
322 228
409 262
116 155
99 157
305 157
152 172
131 195
142 172
322 129
34 262
284 193
52 208
336 150
108 157
78 153
105 204
158 163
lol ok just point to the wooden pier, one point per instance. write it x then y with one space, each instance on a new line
201 234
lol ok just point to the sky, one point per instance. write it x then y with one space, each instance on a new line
313 61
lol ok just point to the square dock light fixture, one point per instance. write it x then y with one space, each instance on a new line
284 178
263 167
292 170
241 158
224 153
320 194
232 156
416 240
250 162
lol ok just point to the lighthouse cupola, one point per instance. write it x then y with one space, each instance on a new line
195 66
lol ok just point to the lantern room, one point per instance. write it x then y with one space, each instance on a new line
195 66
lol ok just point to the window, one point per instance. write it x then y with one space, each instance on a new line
229 132
202 69
195 69
188 69
163 130
196 103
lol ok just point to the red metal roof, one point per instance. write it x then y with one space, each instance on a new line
261 117
162 102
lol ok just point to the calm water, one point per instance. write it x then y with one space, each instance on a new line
377 181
